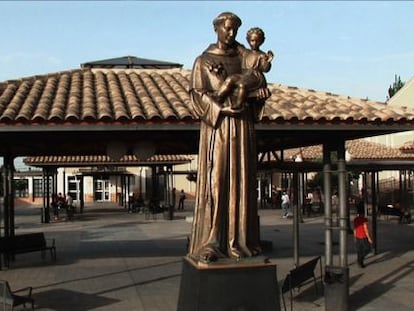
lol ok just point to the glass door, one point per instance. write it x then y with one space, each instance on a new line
74 187
102 190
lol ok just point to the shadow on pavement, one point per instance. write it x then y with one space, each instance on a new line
62 299
379 286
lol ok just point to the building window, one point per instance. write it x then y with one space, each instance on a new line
38 187
74 187
102 189
21 188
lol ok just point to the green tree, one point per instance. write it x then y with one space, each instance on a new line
398 84
20 185
317 180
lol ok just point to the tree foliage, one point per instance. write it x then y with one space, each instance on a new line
317 180
191 177
398 84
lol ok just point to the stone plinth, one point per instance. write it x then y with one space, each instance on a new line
249 285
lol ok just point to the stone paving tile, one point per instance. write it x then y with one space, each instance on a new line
111 260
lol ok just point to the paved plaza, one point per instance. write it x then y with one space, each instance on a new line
109 259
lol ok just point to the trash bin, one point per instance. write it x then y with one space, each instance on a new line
336 288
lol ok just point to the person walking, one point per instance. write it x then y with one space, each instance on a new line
362 236
285 204
181 200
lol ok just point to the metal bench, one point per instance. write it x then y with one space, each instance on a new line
26 243
300 276
402 215
10 299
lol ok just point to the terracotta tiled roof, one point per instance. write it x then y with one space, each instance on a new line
105 160
358 149
97 95
407 147
364 150
138 95
293 103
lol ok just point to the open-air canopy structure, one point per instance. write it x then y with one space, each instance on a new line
111 105
83 111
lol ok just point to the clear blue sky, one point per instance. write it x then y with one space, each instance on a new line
352 48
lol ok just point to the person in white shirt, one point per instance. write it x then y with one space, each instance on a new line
285 204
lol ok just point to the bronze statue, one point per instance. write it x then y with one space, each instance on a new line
254 63
228 92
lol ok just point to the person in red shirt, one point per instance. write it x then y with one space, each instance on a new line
362 236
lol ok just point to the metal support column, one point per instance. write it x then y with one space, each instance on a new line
348 207
301 196
129 189
154 184
337 277
81 194
122 192
8 195
46 196
9 163
374 210
328 204
343 228
169 185
295 209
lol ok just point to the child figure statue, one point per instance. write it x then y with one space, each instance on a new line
252 80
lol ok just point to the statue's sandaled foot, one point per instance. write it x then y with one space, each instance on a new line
208 255
236 254
256 251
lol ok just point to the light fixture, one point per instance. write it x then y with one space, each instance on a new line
143 150
116 150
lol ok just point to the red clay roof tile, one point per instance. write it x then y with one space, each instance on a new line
358 149
112 95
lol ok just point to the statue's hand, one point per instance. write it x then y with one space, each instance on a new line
263 93
270 56
228 111
216 69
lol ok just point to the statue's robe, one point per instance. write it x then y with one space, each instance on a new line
225 217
